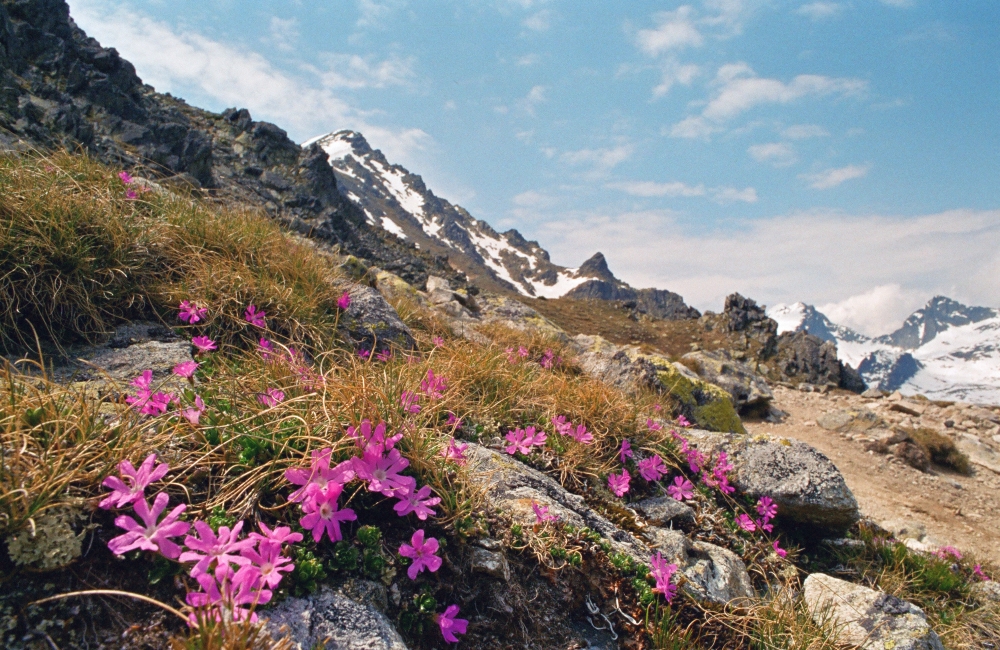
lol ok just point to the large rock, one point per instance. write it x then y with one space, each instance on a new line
865 618
714 574
610 363
371 323
747 389
807 487
345 623
661 511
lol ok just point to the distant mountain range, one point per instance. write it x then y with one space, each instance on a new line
397 200
946 350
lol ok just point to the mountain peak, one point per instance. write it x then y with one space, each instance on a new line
597 267
939 314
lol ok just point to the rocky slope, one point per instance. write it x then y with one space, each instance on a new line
397 200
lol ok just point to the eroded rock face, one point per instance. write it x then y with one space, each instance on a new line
714 574
867 618
347 623
601 359
746 387
372 324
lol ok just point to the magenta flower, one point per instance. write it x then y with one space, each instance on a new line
455 451
280 535
744 521
437 341
323 515
383 472
453 420
682 421
373 440
155 536
581 435
417 502
384 356
149 403
945 551
125 177
271 398
548 360
266 348
255 316
662 573
978 572
542 514
130 487
131 195
777 549
193 415
522 352
269 562
522 440
204 344
319 475
653 425
681 489
410 402
657 408
626 450
562 425
511 356
450 626
652 469
433 387
422 553
186 369
535 437
618 483
767 508
191 313
364 354
344 302
220 549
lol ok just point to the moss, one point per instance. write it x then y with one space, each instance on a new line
705 404
719 416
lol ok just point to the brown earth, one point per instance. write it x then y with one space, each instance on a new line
954 509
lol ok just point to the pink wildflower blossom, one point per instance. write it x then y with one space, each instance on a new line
682 421
626 450
767 508
542 514
777 549
418 502
255 317
450 626
681 489
271 398
384 356
280 535
319 475
433 387
344 302
652 469
744 521
945 551
522 440
548 360
657 408
978 572
437 341
373 440
653 425
562 425
618 483
522 352
209 548
186 369
410 402
269 562
204 344
581 435
663 573
323 515
266 348
455 451
131 195
383 472
423 554
364 354
191 313
125 177
193 415
130 487
453 420
155 536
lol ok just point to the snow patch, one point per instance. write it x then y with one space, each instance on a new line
393 227
566 282
788 317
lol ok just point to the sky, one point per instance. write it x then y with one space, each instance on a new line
843 153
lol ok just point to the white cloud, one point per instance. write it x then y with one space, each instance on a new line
804 131
284 33
829 178
693 127
538 22
600 160
779 154
899 4
675 72
354 71
819 10
450 105
724 195
527 60
649 189
676 30
534 97
879 310
816 257
372 14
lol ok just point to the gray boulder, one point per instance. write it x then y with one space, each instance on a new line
747 388
371 323
661 511
345 623
712 573
865 618
611 364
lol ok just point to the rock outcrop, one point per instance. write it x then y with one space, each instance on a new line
804 358
748 390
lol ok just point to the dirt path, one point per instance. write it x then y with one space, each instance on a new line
947 507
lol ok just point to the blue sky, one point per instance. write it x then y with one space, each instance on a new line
843 153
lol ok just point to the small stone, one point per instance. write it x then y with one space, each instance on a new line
909 408
660 511
435 283
874 393
489 562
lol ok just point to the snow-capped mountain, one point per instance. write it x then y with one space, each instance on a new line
946 350
400 202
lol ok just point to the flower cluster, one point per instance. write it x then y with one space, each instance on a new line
515 356
663 573
145 400
524 441
542 514
433 386
578 432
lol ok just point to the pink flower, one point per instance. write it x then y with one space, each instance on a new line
271 398
945 551
384 356
455 451
130 488
653 425
373 440
280 535
410 402
147 402
581 435
364 354
417 502
186 369
220 549
652 469
535 437
204 344
777 549
422 553
542 514
130 195
978 572
437 341
344 302
682 421
522 352
681 489
269 561
193 415
155 536
266 348
255 316
383 472
433 387
563 426
618 483
744 521
662 573
767 508
450 626
626 450
522 440
322 513
319 475
191 313
548 360
657 408
125 177
453 421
